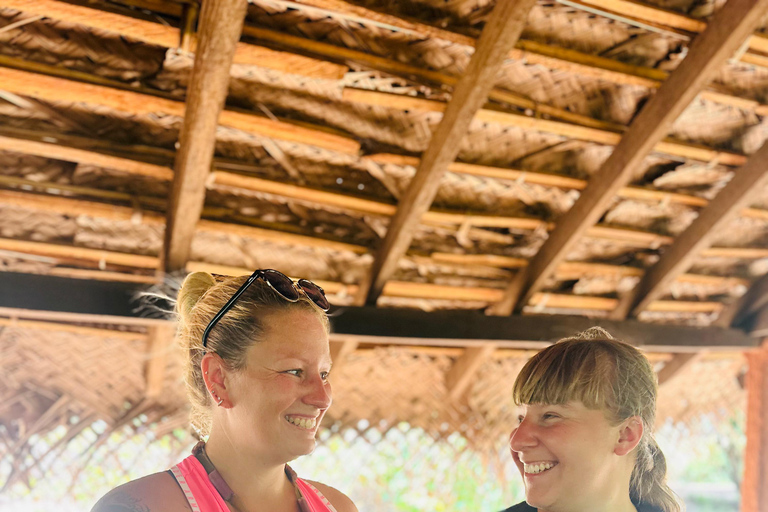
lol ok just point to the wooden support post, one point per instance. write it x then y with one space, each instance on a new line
160 344
754 485
221 23
708 52
503 28
459 377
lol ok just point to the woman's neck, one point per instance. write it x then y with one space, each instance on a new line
257 483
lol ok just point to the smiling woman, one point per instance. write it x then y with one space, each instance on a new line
584 439
257 366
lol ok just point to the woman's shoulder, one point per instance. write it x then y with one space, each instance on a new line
152 493
520 507
338 499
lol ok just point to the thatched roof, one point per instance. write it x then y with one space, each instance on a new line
331 106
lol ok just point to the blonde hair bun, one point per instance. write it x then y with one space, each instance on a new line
192 289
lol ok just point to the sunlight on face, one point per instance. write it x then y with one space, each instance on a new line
565 454
281 396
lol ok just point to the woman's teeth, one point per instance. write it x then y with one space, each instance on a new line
538 468
307 423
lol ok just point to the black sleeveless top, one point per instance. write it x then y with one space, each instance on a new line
524 507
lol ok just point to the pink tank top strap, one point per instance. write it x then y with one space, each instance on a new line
197 487
314 498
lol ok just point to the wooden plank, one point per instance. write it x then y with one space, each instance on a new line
708 52
76 329
51 83
470 328
170 37
754 486
160 344
70 252
70 154
464 369
502 29
746 184
220 26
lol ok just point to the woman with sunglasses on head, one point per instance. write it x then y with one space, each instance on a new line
583 442
257 365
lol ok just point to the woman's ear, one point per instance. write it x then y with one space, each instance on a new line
630 434
214 375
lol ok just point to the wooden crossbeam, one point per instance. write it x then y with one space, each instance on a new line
51 83
744 187
500 33
532 52
729 28
167 36
38 297
459 377
220 25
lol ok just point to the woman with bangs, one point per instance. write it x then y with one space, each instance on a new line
584 440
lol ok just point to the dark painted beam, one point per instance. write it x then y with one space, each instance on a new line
114 302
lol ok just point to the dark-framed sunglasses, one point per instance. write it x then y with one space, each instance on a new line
280 283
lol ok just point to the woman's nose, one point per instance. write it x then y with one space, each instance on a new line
319 394
523 437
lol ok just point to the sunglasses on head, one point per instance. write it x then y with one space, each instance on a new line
280 283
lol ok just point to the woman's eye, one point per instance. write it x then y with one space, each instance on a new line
296 372
520 419
325 375
548 416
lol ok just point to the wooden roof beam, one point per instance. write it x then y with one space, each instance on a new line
708 52
533 52
221 23
746 184
43 297
465 368
168 36
503 28
52 83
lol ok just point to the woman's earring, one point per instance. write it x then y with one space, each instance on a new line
221 400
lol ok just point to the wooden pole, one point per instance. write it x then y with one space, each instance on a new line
221 23
754 485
